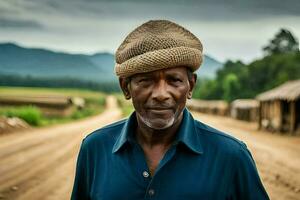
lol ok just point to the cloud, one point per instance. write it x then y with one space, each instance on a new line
60 13
205 10
211 10
229 29
19 24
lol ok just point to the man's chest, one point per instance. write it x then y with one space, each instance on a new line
178 176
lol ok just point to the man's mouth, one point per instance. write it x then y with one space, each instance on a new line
159 110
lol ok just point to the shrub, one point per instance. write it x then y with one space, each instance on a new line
31 114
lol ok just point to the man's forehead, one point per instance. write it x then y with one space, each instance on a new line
173 70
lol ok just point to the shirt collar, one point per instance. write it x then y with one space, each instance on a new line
186 133
126 133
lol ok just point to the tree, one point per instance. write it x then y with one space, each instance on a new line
283 42
231 87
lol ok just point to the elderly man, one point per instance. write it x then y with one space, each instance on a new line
160 151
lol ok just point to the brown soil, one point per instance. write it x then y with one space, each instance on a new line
8 125
40 163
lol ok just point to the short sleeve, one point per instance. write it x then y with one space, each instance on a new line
247 183
81 182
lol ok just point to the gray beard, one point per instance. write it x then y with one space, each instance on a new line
167 124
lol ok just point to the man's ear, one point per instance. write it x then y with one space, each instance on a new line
192 82
125 85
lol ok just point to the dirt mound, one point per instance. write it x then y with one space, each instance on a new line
12 124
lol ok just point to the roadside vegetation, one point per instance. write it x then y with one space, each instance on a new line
33 115
30 114
125 105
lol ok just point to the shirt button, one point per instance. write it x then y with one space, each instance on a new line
151 192
145 174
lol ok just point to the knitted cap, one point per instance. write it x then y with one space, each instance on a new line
158 44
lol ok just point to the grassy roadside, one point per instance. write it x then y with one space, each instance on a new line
94 104
31 114
125 105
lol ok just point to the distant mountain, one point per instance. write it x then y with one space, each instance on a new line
45 63
209 67
41 63
104 61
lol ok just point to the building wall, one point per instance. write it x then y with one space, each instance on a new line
271 115
280 116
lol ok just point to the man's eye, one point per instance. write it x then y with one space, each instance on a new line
176 80
144 80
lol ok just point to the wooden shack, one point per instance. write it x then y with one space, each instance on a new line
216 107
245 109
49 105
280 108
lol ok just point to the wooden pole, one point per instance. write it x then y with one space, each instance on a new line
259 114
280 114
293 116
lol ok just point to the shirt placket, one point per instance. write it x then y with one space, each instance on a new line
153 183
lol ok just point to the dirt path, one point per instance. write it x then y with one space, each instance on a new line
277 156
40 164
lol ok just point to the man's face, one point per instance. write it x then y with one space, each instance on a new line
159 97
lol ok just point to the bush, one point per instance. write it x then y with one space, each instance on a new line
100 101
125 105
78 114
31 114
92 106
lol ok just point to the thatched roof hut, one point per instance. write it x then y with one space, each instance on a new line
217 107
289 91
244 109
280 108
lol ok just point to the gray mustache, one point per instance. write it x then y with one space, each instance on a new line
160 106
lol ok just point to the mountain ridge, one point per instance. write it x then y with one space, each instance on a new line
97 67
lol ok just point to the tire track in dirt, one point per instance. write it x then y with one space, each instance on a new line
49 182
11 164
22 180
32 167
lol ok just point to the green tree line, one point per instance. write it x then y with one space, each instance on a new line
28 81
236 79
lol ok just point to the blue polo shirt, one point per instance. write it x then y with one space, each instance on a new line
203 163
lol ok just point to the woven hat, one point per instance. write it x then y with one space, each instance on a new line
158 44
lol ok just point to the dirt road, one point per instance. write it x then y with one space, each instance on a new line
277 156
40 164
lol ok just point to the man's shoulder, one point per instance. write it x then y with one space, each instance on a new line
218 139
108 133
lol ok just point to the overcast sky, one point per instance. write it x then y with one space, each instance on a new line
228 29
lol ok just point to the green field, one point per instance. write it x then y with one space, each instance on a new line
49 91
94 104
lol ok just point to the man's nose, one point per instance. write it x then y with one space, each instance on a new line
160 91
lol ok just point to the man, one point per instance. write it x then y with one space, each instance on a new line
161 152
